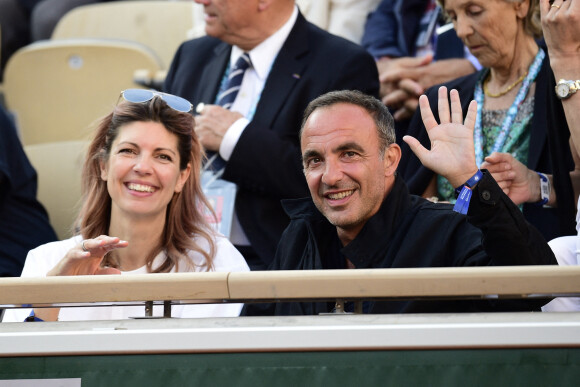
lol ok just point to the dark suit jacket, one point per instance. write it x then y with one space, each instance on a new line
549 150
266 162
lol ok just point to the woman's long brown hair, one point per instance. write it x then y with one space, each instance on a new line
185 219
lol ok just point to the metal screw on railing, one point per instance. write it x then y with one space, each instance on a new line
339 307
148 308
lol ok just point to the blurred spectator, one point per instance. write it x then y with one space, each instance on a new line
413 52
518 111
562 36
23 221
345 18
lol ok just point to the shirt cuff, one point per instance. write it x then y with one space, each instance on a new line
231 138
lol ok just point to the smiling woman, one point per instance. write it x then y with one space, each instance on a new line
142 211
143 172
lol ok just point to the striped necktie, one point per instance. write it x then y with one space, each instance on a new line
228 96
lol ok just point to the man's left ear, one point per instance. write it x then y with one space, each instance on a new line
183 176
391 159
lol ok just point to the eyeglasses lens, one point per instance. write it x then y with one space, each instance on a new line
142 95
138 95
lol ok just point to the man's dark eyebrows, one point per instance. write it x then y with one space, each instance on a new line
309 154
349 146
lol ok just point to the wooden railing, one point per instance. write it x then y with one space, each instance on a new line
279 334
465 282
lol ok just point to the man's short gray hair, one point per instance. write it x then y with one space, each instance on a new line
376 109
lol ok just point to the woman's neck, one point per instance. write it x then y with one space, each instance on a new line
144 235
503 83
501 77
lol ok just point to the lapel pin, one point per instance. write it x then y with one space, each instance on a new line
296 76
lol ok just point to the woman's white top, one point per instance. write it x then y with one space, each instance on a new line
567 252
43 258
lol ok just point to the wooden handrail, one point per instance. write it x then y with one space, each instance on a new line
509 281
512 281
114 288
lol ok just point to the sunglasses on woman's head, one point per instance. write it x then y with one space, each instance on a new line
142 95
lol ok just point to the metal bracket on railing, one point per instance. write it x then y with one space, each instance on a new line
339 307
167 309
148 308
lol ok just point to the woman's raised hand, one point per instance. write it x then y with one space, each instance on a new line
86 257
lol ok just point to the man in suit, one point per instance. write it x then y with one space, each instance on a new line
292 62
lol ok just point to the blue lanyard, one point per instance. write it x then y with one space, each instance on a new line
511 113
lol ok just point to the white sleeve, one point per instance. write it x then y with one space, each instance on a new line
38 262
344 18
231 138
564 249
347 18
227 257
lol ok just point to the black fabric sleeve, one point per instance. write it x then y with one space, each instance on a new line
508 238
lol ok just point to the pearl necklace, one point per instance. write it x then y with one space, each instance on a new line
507 90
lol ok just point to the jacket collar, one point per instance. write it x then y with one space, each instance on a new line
372 242
212 74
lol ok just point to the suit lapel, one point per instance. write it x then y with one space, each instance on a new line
212 74
285 73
